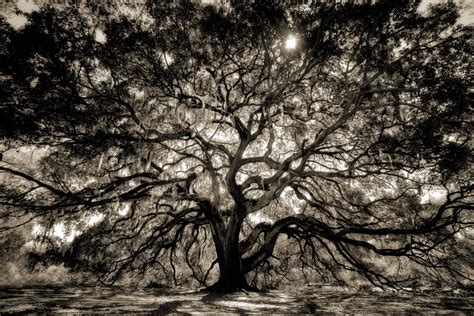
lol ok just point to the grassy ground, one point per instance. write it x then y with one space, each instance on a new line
305 300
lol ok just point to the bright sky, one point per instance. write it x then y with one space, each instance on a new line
67 235
100 36
290 42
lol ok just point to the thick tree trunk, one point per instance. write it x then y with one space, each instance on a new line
232 277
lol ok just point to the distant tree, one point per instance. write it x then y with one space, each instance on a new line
207 140
10 244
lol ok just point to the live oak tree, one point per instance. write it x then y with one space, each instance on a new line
206 139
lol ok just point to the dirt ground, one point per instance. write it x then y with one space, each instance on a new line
305 300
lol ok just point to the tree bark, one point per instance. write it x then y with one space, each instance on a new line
232 276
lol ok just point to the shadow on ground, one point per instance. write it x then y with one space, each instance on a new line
306 300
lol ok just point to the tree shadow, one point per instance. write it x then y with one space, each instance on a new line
169 308
291 301
246 303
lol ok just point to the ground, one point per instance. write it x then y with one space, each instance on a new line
305 300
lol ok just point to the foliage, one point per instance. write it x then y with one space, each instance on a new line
205 143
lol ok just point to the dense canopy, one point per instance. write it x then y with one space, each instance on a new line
241 143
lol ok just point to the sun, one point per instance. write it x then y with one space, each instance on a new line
290 42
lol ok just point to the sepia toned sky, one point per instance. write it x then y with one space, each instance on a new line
7 9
